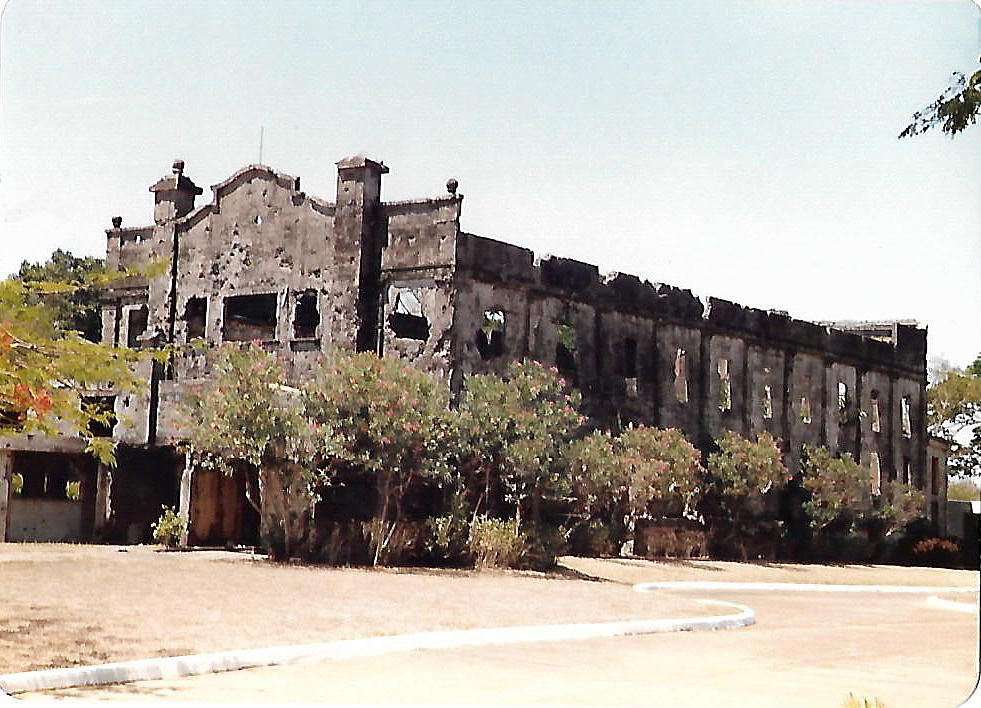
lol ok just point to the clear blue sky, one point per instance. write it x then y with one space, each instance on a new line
745 150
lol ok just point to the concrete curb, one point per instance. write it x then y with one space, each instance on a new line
796 587
941 604
178 666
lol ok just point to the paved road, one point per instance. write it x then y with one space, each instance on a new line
805 650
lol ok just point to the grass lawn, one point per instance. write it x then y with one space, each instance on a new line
64 605
630 570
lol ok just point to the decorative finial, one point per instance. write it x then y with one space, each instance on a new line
117 221
178 167
451 185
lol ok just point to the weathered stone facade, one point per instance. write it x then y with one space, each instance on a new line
264 260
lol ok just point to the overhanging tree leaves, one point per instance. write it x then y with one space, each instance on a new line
46 371
953 111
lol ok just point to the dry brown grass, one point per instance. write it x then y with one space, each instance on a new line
631 570
64 605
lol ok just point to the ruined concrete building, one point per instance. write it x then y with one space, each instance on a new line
265 261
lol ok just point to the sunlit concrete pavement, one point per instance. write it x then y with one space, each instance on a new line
805 650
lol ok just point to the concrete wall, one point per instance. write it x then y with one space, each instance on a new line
45 520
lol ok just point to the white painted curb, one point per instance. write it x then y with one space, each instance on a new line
941 604
795 587
178 666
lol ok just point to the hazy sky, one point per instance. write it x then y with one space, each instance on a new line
745 150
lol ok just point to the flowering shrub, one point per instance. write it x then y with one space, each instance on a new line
744 478
386 418
248 416
514 431
641 473
839 490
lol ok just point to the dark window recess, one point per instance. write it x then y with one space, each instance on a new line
407 320
136 327
490 336
195 315
306 317
409 326
565 353
249 317
629 358
934 475
103 410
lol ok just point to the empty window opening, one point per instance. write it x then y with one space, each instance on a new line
906 422
725 386
805 410
490 336
257 220
767 402
565 352
196 316
876 426
249 317
908 472
680 377
876 473
136 326
934 475
51 480
630 358
630 366
103 412
842 398
407 320
306 315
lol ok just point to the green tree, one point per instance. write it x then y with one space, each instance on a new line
599 490
46 370
897 505
246 418
745 477
954 414
664 472
387 418
839 490
840 499
643 473
75 308
515 430
953 111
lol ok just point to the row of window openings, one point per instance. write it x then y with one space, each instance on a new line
725 396
246 318
250 317
490 343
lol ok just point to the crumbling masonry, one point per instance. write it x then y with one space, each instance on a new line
266 261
